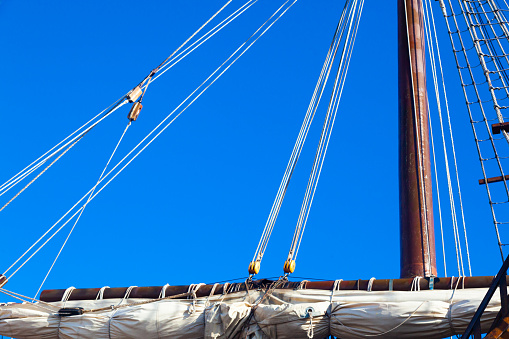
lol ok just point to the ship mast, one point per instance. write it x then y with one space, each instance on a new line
417 238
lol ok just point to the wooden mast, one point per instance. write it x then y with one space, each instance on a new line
417 238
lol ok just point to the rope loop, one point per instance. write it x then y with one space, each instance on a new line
302 285
100 294
193 288
67 294
416 284
162 294
370 284
127 293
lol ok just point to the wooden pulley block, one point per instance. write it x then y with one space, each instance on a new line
135 111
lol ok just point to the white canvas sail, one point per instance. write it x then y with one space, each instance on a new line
281 314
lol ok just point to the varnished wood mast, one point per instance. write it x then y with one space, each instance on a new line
417 238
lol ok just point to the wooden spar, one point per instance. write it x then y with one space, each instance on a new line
417 238
180 292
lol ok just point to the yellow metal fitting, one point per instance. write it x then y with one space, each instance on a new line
254 267
3 280
135 111
289 266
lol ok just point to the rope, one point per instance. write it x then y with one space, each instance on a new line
299 143
473 22
83 207
383 333
149 77
24 299
437 96
370 284
37 163
177 58
311 332
193 288
100 294
354 16
240 51
42 172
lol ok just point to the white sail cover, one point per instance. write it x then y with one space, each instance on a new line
282 314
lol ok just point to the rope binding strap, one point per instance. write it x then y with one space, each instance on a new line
132 96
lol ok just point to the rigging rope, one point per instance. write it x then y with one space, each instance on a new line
451 137
211 79
42 172
430 39
472 36
73 138
461 270
168 63
254 265
354 17
83 208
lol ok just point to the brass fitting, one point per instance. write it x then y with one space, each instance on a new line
289 266
254 267
135 111
3 280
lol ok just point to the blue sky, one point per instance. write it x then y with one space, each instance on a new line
192 207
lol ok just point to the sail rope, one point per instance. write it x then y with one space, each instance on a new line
83 208
355 13
69 140
44 170
171 61
158 130
299 143
479 33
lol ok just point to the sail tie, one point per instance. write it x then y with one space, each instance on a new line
193 288
67 294
370 284
335 287
212 290
100 294
162 294
416 284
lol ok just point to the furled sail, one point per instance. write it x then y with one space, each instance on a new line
284 313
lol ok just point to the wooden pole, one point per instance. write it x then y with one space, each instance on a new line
417 238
